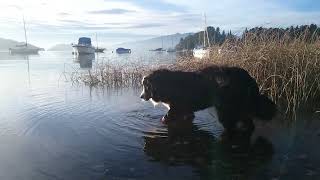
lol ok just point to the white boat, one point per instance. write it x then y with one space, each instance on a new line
203 51
84 46
24 48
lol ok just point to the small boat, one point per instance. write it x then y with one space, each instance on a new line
84 46
170 50
99 50
24 48
123 50
158 50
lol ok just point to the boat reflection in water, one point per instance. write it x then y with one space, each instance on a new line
85 60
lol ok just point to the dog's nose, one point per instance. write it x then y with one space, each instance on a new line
142 96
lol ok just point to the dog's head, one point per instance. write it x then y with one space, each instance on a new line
147 89
153 85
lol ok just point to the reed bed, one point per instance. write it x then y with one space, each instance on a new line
114 75
286 69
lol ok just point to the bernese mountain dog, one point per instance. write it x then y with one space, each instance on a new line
231 90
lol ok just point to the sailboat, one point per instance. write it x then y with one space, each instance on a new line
159 49
172 49
203 51
24 48
97 49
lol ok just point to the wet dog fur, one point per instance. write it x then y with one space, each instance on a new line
233 92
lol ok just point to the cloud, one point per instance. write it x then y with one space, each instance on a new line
155 5
73 25
145 17
64 14
111 11
145 25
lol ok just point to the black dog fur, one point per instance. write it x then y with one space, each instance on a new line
233 92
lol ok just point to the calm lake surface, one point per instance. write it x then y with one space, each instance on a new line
53 129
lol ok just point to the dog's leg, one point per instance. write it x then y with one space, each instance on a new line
227 120
169 116
248 128
239 133
175 114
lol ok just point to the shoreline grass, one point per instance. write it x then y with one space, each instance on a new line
287 70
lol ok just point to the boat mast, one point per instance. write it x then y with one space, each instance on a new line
172 42
97 40
25 31
206 30
162 42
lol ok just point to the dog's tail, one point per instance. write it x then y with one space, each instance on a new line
265 108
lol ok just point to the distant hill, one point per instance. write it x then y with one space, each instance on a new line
169 41
5 44
61 47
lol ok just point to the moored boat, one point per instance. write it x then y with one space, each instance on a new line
123 50
99 50
158 50
24 48
84 46
170 50
203 51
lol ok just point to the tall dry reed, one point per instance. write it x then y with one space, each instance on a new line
286 69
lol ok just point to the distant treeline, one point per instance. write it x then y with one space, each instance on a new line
308 33
197 39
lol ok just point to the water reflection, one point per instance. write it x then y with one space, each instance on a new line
185 143
85 60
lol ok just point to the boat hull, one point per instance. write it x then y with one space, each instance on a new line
123 51
82 50
99 50
201 53
24 50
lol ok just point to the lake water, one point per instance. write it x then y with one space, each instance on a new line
51 128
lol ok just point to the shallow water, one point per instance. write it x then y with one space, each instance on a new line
53 129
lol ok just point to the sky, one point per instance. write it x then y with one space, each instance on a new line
115 21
